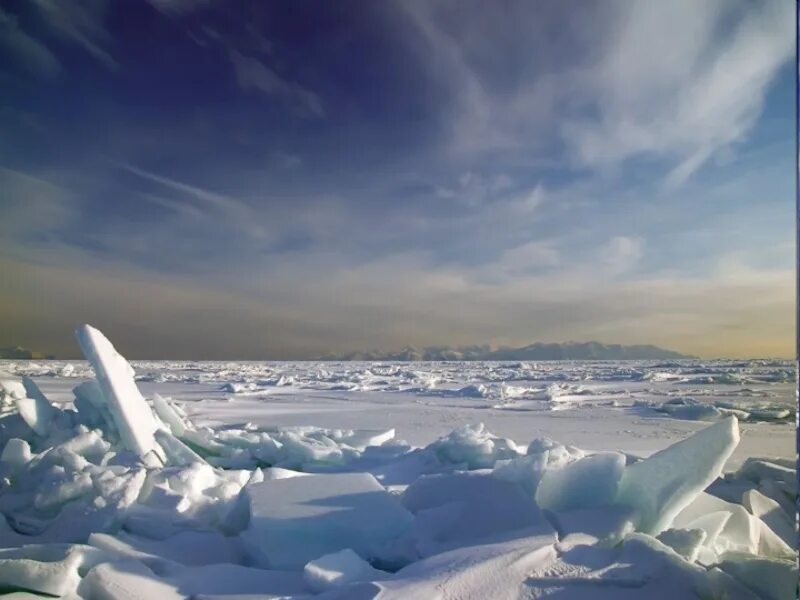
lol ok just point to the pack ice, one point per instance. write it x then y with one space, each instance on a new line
114 495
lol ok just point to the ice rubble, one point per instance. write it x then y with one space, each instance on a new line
117 495
755 391
689 408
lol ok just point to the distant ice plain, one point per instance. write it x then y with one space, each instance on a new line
596 405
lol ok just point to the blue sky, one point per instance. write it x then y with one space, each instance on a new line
208 179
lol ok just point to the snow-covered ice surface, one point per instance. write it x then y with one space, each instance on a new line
638 407
396 480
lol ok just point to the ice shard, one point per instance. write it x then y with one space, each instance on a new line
662 485
131 414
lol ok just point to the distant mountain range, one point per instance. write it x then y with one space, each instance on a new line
20 353
537 351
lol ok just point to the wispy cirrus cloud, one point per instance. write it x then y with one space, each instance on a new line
682 81
78 23
33 206
82 23
677 82
180 7
252 74
30 52
216 207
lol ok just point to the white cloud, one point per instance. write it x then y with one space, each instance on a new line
679 81
530 201
251 73
471 189
683 80
621 253
529 256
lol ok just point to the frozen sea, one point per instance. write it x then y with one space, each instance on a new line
377 481
635 406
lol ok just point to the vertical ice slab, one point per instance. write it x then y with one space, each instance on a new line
35 408
131 414
662 485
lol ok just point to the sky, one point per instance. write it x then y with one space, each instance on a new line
209 179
